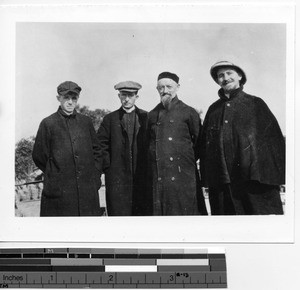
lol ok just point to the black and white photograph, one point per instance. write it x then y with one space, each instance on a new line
166 125
151 94
157 120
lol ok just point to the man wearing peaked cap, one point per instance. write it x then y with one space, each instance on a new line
68 87
122 137
67 152
128 86
174 130
242 149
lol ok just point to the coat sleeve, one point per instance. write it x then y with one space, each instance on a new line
41 148
195 130
98 156
103 136
270 145
202 147
97 152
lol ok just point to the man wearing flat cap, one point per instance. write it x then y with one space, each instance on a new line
174 129
122 137
242 149
67 152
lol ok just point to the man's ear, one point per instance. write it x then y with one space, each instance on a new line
58 97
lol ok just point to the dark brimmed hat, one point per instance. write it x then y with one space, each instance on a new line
68 86
168 75
128 86
221 64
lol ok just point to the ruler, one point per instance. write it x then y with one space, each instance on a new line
112 268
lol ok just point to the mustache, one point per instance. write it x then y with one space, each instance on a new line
166 94
225 82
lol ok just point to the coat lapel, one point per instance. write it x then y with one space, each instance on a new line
137 121
121 115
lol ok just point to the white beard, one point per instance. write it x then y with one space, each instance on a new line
166 100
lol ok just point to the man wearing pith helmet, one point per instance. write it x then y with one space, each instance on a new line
242 149
67 151
122 137
174 129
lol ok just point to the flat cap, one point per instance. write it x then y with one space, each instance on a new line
168 75
221 64
128 86
67 87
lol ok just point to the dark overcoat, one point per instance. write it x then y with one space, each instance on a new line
241 141
125 174
173 135
66 150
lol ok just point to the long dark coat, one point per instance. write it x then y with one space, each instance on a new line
125 175
66 151
241 141
173 137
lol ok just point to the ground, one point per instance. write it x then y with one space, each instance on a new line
28 201
31 208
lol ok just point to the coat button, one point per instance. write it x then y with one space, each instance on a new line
171 121
228 105
173 178
159 178
226 121
170 138
171 158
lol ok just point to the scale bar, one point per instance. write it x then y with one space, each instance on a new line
112 268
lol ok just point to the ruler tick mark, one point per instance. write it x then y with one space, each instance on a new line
83 275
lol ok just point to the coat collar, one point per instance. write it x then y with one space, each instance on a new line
122 112
62 113
234 94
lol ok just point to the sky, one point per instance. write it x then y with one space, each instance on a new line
99 55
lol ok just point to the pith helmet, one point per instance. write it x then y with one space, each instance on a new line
214 70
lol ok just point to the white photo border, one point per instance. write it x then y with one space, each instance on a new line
206 229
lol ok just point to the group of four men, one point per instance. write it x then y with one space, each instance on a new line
150 159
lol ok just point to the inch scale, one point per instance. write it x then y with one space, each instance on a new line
112 268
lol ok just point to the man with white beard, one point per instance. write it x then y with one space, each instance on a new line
174 130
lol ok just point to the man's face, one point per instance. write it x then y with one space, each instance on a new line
228 79
68 102
128 99
167 89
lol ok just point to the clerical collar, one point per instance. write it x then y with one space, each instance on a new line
129 110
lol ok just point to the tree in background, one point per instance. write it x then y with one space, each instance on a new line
96 115
24 165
